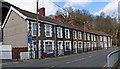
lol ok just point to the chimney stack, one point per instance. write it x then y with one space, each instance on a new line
59 18
72 22
41 11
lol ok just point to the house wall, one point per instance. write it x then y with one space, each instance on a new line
15 31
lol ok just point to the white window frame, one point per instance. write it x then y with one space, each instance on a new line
88 36
68 34
101 38
69 46
94 37
74 34
108 38
80 42
79 35
52 45
59 35
105 38
35 28
75 44
49 31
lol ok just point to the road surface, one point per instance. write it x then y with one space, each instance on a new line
95 59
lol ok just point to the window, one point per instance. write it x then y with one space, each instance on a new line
84 36
108 38
75 44
88 45
79 35
59 32
48 30
48 47
68 46
74 34
100 38
105 38
80 45
94 38
34 29
88 36
67 33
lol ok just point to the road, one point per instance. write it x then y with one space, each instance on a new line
96 59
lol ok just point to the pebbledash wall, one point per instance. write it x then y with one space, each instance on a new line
57 38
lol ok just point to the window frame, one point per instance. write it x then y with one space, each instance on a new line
67 35
68 45
48 52
50 30
79 35
35 29
59 32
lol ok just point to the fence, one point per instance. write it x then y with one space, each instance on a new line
113 58
47 53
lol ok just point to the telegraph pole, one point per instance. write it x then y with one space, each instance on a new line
37 41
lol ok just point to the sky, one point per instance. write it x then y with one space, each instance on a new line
95 7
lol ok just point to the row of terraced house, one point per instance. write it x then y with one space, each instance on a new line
56 37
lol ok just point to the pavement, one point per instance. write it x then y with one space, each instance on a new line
94 60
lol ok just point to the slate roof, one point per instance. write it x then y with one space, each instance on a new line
44 18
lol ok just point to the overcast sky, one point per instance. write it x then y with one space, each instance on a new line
94 6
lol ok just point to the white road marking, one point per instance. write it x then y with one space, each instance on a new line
16 62
67 62
52 66
75 60
90 56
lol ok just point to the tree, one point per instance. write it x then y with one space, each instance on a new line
97 23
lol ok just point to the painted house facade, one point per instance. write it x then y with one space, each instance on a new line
56 38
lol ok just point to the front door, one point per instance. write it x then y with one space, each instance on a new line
60 48
75 47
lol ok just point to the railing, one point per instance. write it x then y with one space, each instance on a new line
113 58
